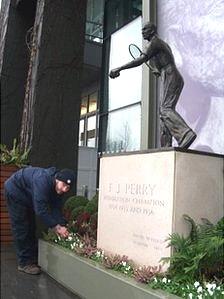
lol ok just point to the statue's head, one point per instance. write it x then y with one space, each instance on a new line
148 30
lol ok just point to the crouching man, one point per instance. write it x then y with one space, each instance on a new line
35 191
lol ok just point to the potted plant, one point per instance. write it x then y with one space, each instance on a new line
11 160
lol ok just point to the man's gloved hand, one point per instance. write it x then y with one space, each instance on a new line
62 231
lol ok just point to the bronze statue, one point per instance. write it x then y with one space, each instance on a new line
161 62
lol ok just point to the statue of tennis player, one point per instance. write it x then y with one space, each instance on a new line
161 62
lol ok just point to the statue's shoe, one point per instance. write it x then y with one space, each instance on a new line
187 140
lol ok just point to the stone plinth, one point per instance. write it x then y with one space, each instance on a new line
144 195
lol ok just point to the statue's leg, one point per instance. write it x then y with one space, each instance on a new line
177 127
165 136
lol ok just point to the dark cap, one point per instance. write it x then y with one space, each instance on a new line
66 175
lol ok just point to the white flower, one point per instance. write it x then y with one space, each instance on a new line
210 292
200 289
208 285
164 280
155 279
196 284
98 254
69 238
211 287
200 296
124 264
190 296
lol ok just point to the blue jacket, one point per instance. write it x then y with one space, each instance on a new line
34 187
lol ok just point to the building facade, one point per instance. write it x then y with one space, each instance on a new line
91 113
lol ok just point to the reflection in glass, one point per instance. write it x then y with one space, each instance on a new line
120 12
94 20
93 102
126 89
123 133
81 133
91 131
84 103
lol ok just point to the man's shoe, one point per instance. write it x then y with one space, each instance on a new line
187 140
30 269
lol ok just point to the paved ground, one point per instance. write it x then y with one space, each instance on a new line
18 285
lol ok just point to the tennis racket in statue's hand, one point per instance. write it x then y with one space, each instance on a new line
135 52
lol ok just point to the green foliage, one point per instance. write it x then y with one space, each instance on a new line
77 211
145 274
14 156
88 246
74 202
50 235
200 255
92 206
193 290
82 215
118 263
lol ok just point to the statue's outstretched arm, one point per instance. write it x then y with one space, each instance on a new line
134 63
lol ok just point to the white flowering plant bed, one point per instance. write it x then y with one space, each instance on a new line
150 276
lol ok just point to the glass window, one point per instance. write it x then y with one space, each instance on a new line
91 131
81 133
88 124
94 20
126 89
123 131
120 12
84 103
92 102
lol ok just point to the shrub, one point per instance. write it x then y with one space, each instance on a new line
84 217
14 156
75 202
77 211
81 225
145 274
199 255
93 225
92 205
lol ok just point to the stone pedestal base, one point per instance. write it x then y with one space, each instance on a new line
144 195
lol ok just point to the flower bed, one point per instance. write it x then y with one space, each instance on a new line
89 279
86 247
